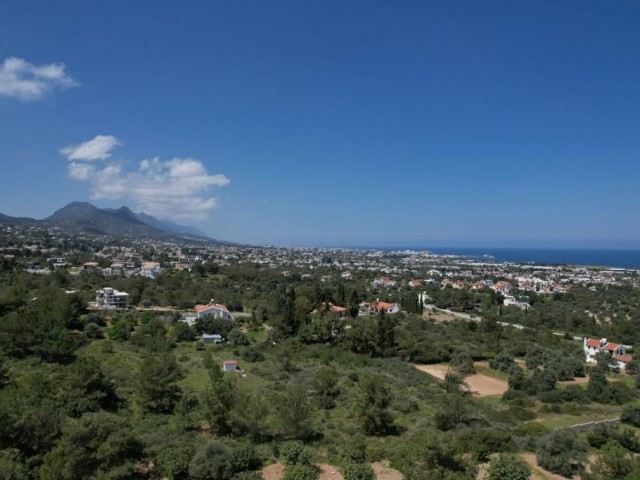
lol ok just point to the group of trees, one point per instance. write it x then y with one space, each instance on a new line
134 394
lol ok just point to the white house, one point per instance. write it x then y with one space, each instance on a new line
212 338
110 298
593 346
215 309
229 366
150 269
376 307
511 301
383 282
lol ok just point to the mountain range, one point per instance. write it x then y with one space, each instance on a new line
83 217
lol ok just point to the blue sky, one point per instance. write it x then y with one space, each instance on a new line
451 123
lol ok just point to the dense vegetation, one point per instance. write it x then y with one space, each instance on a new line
136 394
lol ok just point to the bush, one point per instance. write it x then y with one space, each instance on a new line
628 439
503 362
301 472
211 461
92 330
236 337
631 415
463 363
532 429
251 355
295 453
358 471
562 452
173 463
487 441
518 398
521 414
508 467
244 458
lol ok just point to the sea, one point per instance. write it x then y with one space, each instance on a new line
616 258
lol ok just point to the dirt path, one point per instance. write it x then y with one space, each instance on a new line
540 473
384 472
479 384
329 472
273 472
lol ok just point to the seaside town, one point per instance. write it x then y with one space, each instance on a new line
319 240
177 320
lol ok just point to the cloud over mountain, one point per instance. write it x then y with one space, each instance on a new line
176 188
97 149
24 81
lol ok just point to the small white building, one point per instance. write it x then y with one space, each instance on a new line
110 298
212 338
229 366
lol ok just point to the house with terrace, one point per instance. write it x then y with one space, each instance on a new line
617 351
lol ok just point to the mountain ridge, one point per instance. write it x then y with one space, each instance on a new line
84 217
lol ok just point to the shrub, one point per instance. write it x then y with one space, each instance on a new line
301 472
508 467
173 463
295 453
244 458
92 330
252 355
561 452
600 435
503 362
358 471
532 429
631 415
521 413
211 461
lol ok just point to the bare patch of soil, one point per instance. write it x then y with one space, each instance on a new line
384 472
273 472
329 472
479 384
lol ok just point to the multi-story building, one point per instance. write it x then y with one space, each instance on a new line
110 298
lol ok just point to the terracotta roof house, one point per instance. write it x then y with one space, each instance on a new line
330 307
593 346
215 309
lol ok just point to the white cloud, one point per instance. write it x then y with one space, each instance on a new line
97 149
80 171
173 189
25 81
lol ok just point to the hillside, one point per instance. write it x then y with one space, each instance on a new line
83 217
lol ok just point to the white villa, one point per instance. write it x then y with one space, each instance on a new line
110 298
215 309
376 307
150 269
511 301
593 346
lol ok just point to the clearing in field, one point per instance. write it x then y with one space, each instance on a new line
479 384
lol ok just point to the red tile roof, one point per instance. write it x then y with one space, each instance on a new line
623 358
202 308
609 346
